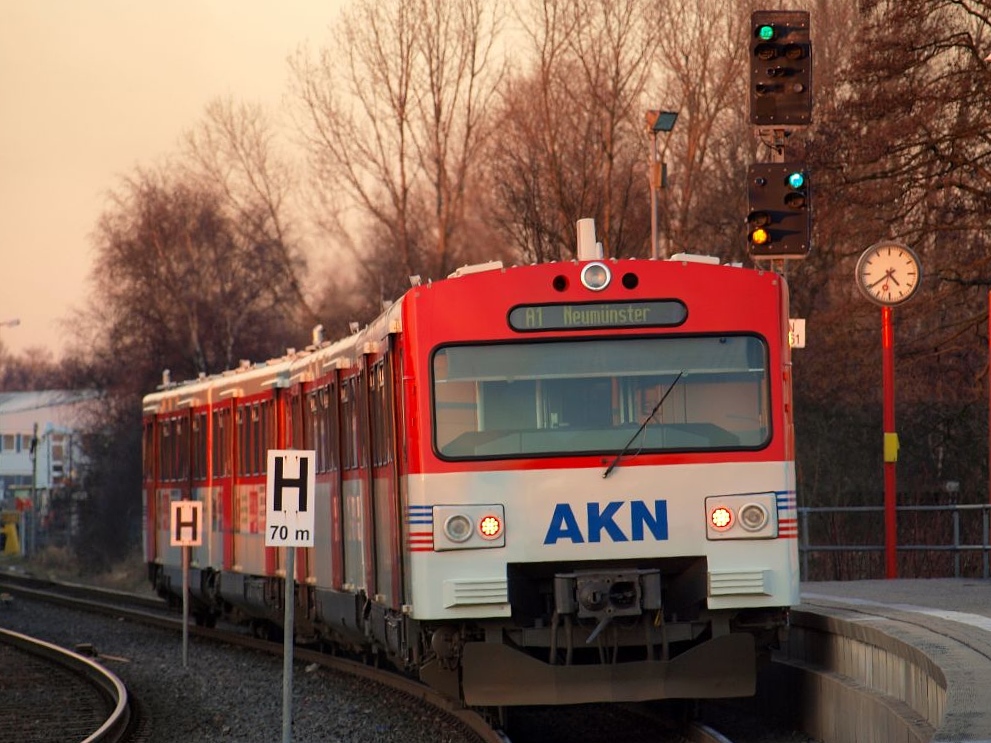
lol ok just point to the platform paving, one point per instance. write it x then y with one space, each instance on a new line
949 620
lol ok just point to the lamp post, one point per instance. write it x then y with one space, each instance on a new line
657 121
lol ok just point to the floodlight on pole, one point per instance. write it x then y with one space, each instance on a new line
663 120
657 121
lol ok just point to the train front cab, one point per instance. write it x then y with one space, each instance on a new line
607 582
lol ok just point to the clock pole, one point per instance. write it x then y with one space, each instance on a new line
888 274
890 445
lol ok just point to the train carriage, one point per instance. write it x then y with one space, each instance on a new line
557 483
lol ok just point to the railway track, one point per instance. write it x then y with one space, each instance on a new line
154 612
52 694
592 724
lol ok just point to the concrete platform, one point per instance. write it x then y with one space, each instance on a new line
910 660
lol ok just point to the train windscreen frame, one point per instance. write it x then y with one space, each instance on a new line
590 396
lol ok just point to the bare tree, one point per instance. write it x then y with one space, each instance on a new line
234 152
393 116
571 141
33 369
177 285
900 151
701 67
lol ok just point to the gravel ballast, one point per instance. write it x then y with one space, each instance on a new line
227 693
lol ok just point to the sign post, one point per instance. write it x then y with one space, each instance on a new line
289 488
186 531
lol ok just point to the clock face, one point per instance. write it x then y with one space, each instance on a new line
888 273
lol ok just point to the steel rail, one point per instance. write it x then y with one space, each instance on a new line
115 727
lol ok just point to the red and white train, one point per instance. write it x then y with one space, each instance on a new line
557 483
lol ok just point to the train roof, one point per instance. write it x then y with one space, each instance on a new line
314 360
295 364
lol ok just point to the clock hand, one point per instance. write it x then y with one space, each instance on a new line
887 275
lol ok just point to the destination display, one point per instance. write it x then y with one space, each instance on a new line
597 315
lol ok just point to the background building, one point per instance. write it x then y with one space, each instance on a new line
40 459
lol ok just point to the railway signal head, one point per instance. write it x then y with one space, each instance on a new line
779 220
780 68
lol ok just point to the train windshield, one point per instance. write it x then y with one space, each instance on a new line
591 396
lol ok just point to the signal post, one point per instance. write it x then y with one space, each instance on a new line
779 215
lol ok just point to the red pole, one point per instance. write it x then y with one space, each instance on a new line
890 445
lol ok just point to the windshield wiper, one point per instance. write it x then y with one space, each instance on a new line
643 425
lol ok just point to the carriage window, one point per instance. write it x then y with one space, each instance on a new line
175 450
381 414
148 450
586 397
222 437
243 440
349 424
319 411
199 446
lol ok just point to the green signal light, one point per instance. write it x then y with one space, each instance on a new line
796 179
765 32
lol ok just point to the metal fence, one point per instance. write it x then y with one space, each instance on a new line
934 541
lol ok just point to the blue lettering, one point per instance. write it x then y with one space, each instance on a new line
643 519
656 522
563 526
597 521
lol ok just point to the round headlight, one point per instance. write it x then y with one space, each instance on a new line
457 527
596 276
753 517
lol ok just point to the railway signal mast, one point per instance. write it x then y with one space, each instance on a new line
779 215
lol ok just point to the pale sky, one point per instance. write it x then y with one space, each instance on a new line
92 89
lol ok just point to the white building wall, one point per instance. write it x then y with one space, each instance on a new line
56 418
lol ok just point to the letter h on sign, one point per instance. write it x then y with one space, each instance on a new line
187 523
281 482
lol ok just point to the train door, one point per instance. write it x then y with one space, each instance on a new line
253 419
174 482
202 556
269 434
222 456
149 465
322 434
366 490
384 481
356 502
